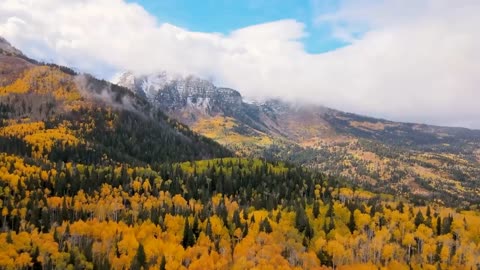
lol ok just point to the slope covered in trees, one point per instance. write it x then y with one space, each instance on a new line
422 162
47 111
217 214
92 177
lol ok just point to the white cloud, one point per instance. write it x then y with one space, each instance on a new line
415 60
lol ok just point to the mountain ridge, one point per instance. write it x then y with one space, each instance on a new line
361 148
84 119
96 176
6 47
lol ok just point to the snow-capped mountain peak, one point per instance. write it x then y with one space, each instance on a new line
148 85
172 92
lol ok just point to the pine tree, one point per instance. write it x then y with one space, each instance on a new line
163 263
9 237
245 231
36 264
428 213
245 214
325 258
325 227
56 237
419 219
300 219
308 231
439 226
195 227
188 238
64 210
45 220
72 257
400 207
316 209
140 260
265 226
351 222
208 230
236 219
330 211
447 224
331 226
428 221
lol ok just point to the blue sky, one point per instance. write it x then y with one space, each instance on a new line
224 16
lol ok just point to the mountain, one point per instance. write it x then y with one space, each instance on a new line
7 49
420 161
95 176
50 111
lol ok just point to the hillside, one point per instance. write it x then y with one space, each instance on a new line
93 176
418 161
48 111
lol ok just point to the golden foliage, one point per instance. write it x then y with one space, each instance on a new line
44 80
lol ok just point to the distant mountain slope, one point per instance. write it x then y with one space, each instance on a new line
414 160
49 111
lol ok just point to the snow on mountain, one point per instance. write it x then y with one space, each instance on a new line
173 92
148 85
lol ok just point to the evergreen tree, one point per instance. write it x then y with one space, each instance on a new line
245 231
400 207
279 216
300 219
64 210
325 227
195 227
188 237
331 226
265 226
45 220
140 260
163 263
439 226
72 257
36 264
447 224
9 237
245 214
208 230
428 222
419 219
308 231
56 237
351 222
325 258
316 209
330 211
236 219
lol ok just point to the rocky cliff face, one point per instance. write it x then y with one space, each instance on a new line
182 95
417 160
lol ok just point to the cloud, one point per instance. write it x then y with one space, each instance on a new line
408 60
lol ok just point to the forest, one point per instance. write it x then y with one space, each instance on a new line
227 213
90 183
